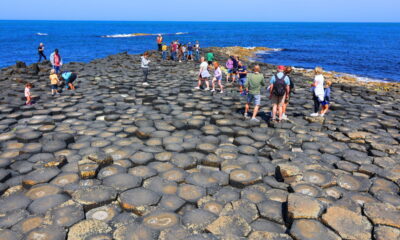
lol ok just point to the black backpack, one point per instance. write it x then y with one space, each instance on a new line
279 86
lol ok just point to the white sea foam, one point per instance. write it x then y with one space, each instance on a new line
128 35
41 34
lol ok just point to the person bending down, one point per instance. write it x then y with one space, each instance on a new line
253 88
69 78
217 77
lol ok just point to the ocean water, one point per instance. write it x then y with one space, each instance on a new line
368 50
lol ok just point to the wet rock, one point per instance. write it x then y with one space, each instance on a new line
347 224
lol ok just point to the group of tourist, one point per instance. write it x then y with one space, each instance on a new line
57 77
251 84
178 51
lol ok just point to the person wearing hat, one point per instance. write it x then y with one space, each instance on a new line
159 42
279 92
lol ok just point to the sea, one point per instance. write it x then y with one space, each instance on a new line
369 51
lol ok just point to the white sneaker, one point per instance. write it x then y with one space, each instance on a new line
197 88
145 84
284 117
246 115
206 89
221 91
314 114
254 120
212 90
322 115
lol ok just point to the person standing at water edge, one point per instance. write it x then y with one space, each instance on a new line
203 74
279 92
145 67
190 51
317 88
56 61
197 51
164 51
41 52
242 71
159 42
253 88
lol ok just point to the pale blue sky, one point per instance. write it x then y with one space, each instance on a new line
204 10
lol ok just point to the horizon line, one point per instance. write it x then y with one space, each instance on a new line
194 21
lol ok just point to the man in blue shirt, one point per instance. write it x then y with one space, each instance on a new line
190 51
242 71
279 91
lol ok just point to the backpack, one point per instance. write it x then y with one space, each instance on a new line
279 86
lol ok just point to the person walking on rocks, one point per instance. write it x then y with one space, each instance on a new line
145 67
54 81
317 88
159 42
279 92
197 50
210 58
253 86
69 78
41 52
287 72
180 53
217 77
229 67
190 51
56 61
242 71
174 48
327 98
28 96
164 51
204 75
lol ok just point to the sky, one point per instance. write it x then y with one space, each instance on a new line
204 10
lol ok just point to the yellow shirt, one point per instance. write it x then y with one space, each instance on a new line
53 79
164 48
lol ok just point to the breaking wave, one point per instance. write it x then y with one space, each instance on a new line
124 35
41 34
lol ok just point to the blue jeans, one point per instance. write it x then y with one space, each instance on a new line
173 56
185 55
197 57
57 69
164 55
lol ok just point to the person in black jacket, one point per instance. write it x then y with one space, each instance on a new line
41 52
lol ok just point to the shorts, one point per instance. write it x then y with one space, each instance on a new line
230 71
210 62
54 86
205 75
218 78
256 99
242 81
235 70
278 100
57 69
190 53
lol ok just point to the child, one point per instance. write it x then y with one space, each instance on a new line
54 82
318 90
325 103
28 87
217 77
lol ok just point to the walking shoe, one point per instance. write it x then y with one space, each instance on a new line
322 115
212 90
206 89
314 114
145 84
221 91
254 120
197 88
284 117
246 115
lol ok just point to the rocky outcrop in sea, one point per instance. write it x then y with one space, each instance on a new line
118 160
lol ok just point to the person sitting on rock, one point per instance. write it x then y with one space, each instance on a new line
145 67
317 88
203 74
56 61
287 72
69 78
242 71
327 98
253 86
28 96
54 81
279 92
217 77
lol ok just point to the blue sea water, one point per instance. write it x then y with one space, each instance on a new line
369 50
